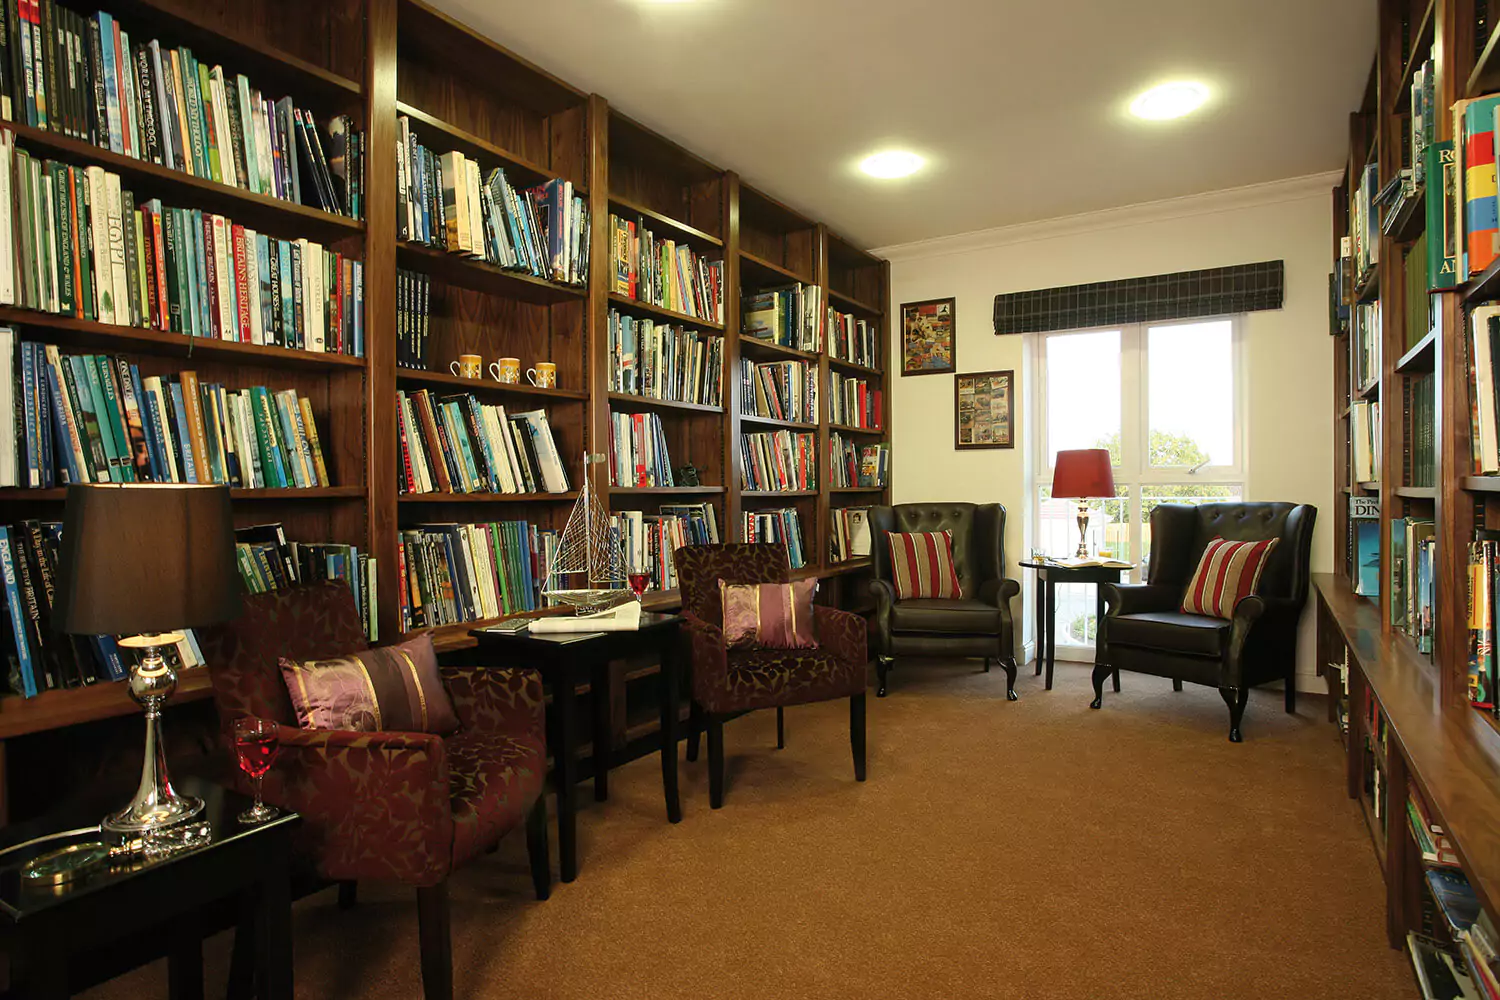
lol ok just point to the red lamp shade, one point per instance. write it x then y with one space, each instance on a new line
1083 473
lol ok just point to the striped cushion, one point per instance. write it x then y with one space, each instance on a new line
1227 574
922 564
769 615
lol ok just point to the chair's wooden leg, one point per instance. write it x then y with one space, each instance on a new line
436 942
1009 663
536 847
242 985
883 666
1101 671
1291 692
695 730
1117 680
348 894
1176 683
986 664
857 733
715 761
780 728
1235 698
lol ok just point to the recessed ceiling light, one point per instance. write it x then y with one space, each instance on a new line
1170 100
891 163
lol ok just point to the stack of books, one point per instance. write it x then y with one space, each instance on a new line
267 561
87 79
663 273
853 464
638 455
413 304
850 537
456 444
74 242
782 461
852 339
782 525
853 403
443 202
662 361
791 316
1430 838
648 540
780 390
454 573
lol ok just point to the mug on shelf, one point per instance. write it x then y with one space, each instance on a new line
467 366
506 370
543 376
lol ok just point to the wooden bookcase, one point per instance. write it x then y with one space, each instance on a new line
379 60
1404 714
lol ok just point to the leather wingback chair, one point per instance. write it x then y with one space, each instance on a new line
978 623
389 806
1146 630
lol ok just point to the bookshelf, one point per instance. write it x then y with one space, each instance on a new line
382 61
1398 682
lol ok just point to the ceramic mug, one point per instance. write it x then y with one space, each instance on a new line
467 366
543 376
506 370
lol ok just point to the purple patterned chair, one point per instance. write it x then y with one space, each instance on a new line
391 806
727 683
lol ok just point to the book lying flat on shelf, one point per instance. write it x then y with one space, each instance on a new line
1089 562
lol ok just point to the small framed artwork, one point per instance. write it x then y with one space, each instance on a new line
985 410
927 337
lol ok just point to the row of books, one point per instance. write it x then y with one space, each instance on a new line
663 272
1366 352
781 461
457 444
649 540
92 418
443 202
1421 405
1483 564
87 79
853 339
780 390
1413 578
1430 837
791 316
1420 132
850 537
638 454
1364 432
413 305
851 463
74 242
1468 966
664 361
1423 311
1476 211
776 526
453 573
267 561
1364 222
853 403
1484 388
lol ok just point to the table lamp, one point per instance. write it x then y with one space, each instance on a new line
143 561
1083 474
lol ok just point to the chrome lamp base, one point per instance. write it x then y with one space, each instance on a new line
156 803
1083 531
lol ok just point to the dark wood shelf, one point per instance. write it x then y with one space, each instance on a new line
439 497
179 189
1417 492
1371 391
682 232
854 367
447 380
1410 220
74 332
757 272
442 137
855 305
1484 286
468 272
751 418
650 403
1368 290
623 491
763 494
1421 51
106 699
1482 484
288 493
848 429
1421 356
765 350
1370 486
1485 76
658 312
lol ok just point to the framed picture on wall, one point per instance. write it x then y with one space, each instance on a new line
984 406
928 344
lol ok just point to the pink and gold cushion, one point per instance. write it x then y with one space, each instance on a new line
384 689
768 615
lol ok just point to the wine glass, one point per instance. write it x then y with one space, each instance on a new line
256 743
639 584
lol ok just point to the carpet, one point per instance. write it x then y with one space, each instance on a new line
1032 849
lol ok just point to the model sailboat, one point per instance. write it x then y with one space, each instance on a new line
588 547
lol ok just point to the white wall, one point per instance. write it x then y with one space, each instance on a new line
1288 352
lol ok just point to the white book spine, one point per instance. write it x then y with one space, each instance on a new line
224 278
7 222
104 287
252 287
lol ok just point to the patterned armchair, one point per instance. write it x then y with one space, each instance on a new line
727 683
403 807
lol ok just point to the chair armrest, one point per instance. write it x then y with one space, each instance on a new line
374 805
1139 598
497 699
997 593
842 633
708 659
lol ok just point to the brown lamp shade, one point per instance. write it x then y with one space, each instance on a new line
141 559
1083 473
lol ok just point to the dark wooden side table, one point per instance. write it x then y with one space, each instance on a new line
563 661
1048 576
54 936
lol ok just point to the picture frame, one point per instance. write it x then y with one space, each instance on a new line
929 343
984 410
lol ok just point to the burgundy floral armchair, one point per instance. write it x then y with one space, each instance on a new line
393 806
727 683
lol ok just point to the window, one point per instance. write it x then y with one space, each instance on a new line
1165 399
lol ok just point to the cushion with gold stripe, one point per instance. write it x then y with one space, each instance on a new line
1227 573
922 564
768 615
385 689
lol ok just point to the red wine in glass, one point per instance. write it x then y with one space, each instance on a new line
256 744
639 584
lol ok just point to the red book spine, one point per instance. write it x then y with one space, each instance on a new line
241 284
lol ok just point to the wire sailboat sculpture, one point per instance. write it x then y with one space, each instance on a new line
589 547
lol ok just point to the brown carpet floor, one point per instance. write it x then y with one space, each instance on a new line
1026 849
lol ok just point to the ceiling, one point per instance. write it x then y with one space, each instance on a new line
1018 105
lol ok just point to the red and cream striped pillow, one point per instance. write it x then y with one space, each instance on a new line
922 564
1228 573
